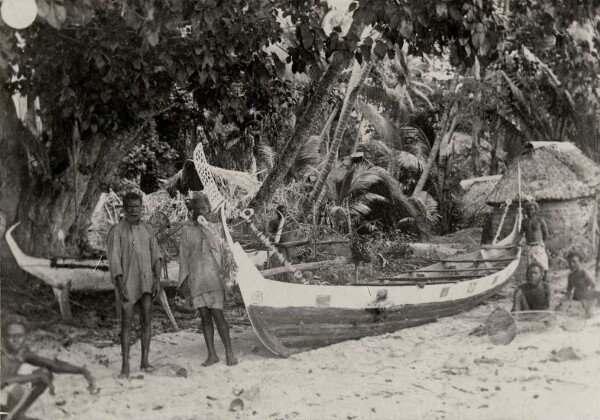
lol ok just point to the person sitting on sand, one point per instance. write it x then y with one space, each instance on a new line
536 233
24 376
580 281
534 295
135 262
203 254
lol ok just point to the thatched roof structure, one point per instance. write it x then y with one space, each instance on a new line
474 201
550 171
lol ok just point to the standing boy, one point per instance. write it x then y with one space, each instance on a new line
24 376
202 253
536 234
135 262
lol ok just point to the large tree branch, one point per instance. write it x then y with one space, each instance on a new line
32 144
109 156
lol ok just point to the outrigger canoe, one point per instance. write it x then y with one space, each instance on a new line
66 274
290 318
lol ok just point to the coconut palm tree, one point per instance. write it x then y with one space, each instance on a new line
370 193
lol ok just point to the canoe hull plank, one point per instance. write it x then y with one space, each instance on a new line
302 328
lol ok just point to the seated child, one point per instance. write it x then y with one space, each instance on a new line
534 295
580 285
580 281
24 376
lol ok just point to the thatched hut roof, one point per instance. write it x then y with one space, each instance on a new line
473 201
549 171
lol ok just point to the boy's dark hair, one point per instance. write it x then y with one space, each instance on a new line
533 203
131 196
535 264
10 319
575 253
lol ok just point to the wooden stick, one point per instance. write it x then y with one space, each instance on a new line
295 244
306 266
478 261
500 246
165 303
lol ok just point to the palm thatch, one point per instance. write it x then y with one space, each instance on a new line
473 204
550 171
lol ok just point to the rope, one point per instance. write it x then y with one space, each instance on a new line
504 213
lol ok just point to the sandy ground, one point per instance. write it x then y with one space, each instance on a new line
436 371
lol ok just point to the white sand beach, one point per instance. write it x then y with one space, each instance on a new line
436 371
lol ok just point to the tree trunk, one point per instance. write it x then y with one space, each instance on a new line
55 213
304 127
13 159
438 140
13 176
347 107
110 153
475 152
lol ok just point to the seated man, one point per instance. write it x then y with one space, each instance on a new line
534 295
20 381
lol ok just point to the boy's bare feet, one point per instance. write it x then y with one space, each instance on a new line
210 361
231 360
124 372
147 367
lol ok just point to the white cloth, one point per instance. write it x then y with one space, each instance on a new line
537 252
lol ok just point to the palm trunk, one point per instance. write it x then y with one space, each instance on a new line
347 107
448 114
324 136
301 134
303 128
358 136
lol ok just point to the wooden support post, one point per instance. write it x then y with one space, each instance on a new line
165 303
118 305
62 295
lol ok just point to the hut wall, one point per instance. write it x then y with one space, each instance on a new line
569 225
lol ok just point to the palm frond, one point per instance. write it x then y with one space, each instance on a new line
413 135
407 160
422 86
516 91
309 155
423 96
380 96
265 156
364 204
384 126
427 206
